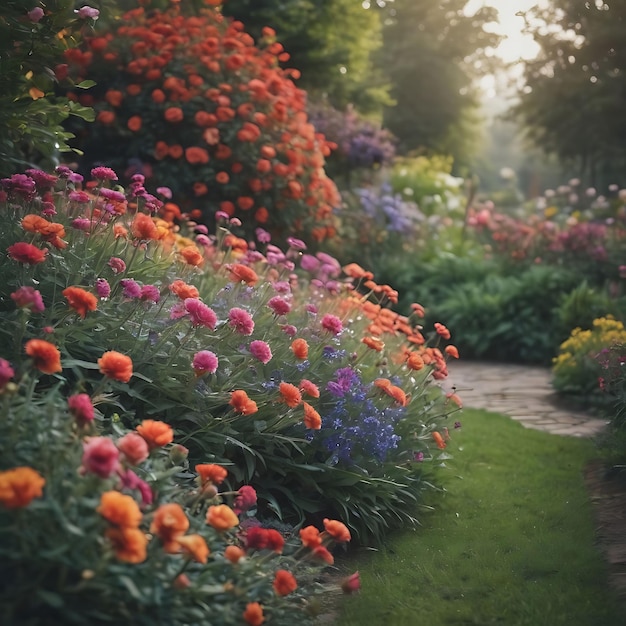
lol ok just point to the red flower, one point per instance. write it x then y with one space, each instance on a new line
23 252
284 582
80 300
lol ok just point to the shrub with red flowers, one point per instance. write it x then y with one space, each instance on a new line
191 102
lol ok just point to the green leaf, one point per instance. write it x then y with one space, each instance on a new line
86 84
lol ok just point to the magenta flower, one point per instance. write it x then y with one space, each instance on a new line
150 293
28 298
101 173
130 288
200 313
81 408
81 223
103 289
34 15
289 330
241 321
111 194
262 235
332 324
279 305
260 350
309 263
78 196
117 265
296 244
204 361
245 499
100 457
130 480
84 13
6 373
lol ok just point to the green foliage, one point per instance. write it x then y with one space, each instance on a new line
514 507
33 37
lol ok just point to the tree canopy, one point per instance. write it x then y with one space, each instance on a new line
572 100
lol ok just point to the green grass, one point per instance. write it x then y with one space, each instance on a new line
511 541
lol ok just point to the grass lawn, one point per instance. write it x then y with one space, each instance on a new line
511 541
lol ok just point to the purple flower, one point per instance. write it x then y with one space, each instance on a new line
260 350
103 289
200 313
204 361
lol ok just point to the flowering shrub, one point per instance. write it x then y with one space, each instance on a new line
191 101
243 350
577 368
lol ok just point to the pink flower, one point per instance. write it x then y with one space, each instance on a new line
150 293
28 298
81 223
279 305
81 408
351 583
309 263
34 15
178 311
103 289
260 350
200 313
204 361
289 330
130 288
6 373
246 499
117 265
296 244
84 13
241 321
134 448
332 324
101 173
262 235
166 192
130 480
100 457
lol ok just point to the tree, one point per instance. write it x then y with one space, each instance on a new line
432 53
331 42
572 100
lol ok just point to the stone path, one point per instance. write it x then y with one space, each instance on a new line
522 392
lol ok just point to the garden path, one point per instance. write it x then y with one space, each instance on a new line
522 392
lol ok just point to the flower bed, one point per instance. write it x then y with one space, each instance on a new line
185 416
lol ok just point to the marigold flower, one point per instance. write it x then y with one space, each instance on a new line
310 537
242 273
211 472
204 361
23 252
240 401
134 448
284 582
260 350
81 408
374 343
290 394
441 444
183 290
234 554
143 227
415 361
116 365
253 615
241 321
452 351
168 524
311 389
221 517
46 356
156 433
312 418
119 509
80 300
337 530
300 348
195 546
129 544
19 486
192 256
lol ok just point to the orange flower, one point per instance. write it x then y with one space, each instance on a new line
353 270
311 389
46 356
392 391
240 401
253 614
196 155
300 348
242 273
441 444
374 343
234 553
116 365
310 536
337 530
173 114
168 524
322 553
210 472
452 351
183 290
284 582
80 300
129 544
291 394
222 178
415 361
192 256
119 509
156 433
261 215
143 227
442 331
19 486
312 418
195 546
134 123
221 517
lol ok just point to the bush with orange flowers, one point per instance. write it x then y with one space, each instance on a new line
190 101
